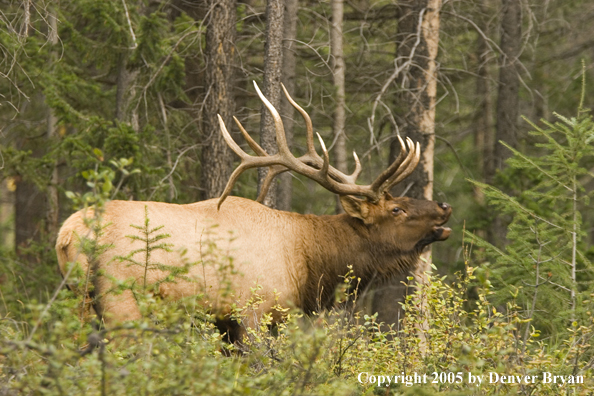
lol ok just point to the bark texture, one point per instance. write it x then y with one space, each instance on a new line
220 54
419 45
508 100
52 215
29 210
484 136
509 80
273 62
285 191
338 72
125 91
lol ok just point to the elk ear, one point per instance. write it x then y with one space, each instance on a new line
355 207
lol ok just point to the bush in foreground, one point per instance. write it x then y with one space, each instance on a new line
445 339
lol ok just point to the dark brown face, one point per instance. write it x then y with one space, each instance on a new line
416 223
404 223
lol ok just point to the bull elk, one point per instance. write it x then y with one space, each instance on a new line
297 260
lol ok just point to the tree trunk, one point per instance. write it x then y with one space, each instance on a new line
125 88
483 133
338 72
52 216
220 59
125 91
418 122
484 136
419 46
285 192
509 81
6 213
29 210
273 62
508 99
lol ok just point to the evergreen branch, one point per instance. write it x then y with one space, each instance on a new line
530 161
516 204
483 243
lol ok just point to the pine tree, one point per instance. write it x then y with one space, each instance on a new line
544 266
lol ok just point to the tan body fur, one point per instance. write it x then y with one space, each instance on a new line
192 228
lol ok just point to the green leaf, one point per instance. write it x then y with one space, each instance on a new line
98 153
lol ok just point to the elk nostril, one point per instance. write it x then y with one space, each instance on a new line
443 205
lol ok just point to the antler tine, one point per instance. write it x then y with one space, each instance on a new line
238 171
308 124
281 139
251 142
273 171
324 170
407 167
394 166
353 176
312 156
227 136
237 150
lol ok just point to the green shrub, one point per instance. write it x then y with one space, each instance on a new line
175 349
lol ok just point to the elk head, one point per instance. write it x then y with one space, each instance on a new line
401 223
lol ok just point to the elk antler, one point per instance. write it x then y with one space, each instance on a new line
311 164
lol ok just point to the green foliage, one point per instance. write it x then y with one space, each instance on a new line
77 81
150 242
544 266
101 180
174 350
447 341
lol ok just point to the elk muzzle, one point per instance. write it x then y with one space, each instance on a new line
442 233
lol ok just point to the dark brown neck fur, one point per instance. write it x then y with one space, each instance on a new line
340 241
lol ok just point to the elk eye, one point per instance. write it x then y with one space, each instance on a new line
396 211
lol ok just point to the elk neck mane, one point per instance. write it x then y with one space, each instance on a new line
340 241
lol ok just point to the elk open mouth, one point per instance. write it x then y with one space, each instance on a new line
441 233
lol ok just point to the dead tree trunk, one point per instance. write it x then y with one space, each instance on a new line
220 58
338 72
273 62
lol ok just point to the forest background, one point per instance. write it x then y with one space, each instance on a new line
118 99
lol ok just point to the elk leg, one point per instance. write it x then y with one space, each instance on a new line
233 332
